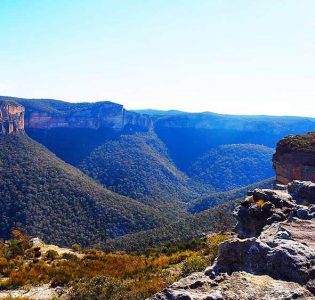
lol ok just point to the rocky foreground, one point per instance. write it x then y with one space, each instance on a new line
273 256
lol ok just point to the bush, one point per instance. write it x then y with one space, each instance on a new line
194 264
99 288
76 247
260 203
52 255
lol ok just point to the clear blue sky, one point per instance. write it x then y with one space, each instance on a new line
228 56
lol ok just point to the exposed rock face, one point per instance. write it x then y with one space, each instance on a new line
295 158
273 257
260 208
95 116
302 191
11 118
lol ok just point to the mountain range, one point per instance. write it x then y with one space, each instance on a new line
87 172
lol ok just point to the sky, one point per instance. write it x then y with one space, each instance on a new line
225 56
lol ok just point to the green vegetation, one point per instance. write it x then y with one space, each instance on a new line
55 107
297 143
206 202
233 166
99 275
45 197
218 219
137 165
194 264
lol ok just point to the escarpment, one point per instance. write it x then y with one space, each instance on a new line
295 158
94 116
11 118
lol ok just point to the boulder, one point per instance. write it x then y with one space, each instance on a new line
302 191
260 208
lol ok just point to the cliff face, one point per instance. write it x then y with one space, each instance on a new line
295 158
11 118
93 116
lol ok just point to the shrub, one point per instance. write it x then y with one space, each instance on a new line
76 247
99 288
260 203
52 255
194 264
69 256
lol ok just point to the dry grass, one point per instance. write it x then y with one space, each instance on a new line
139 275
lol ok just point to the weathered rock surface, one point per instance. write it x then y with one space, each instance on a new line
239 285
295 158
94 116
302 191
260 208
273 257
43 292
11 118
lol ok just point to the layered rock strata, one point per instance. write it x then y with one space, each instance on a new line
11 118
295 158
94 116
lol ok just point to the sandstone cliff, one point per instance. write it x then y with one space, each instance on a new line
295 158
11 118
92 115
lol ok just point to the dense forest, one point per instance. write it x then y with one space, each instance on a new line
45 197
137 165
228 167
192 154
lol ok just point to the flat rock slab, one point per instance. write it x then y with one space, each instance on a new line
238 286
43 292
302 231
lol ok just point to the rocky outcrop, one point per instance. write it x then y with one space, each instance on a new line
94 116
237 286
273 256
302 191
11 118
295 158
260 208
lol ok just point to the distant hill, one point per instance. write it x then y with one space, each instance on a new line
156 114
214 199
189 136
228 167
162 158
211 214
45 197
137 165
192 227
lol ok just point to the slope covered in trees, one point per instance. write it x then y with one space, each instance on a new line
232 166
217 219
45 197
211 214
137 165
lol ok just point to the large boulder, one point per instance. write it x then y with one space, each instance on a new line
260 208
282 252
302 191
